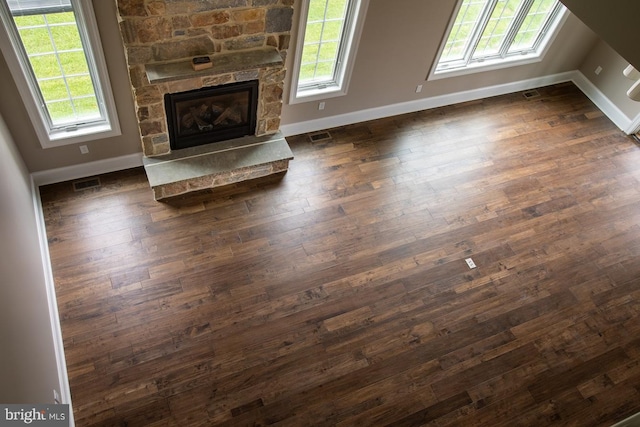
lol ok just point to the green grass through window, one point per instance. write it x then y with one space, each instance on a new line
55 51
494 34
323 33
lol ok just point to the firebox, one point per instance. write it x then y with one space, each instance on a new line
211 114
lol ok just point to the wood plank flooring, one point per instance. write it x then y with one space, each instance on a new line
339 294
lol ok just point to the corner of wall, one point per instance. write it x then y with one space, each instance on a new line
605 104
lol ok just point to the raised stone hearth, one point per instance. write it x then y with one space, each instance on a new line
214 165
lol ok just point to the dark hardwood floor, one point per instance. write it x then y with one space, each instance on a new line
340 295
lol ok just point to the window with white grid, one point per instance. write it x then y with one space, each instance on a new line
486 32
328 33
54 61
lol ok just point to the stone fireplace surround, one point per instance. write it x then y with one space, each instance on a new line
246 40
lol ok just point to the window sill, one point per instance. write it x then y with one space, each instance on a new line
310 95
481 67
89 133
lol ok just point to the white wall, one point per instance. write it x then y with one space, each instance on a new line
28 368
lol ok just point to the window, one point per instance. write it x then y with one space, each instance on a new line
490 32
54 54
327 39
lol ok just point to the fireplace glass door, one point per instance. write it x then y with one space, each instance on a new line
211 114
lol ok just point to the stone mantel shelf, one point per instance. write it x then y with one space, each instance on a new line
227 62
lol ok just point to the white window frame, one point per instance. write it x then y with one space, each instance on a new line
512 60
346 57
20 69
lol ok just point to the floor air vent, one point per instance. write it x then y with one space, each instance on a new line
86 183
319 136
531 94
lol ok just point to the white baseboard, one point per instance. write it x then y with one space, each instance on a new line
635 126
604 104
590 90
58 343
632 421
84 170
423 104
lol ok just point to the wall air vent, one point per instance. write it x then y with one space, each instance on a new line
319 136
85 184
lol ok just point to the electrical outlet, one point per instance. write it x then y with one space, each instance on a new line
470 263
598 70
419 89
84 149
321 106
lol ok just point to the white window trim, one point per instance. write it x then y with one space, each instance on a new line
496 64
351 47
56 138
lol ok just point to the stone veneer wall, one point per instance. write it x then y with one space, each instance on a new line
160 31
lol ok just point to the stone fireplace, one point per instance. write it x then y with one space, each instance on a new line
247 41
